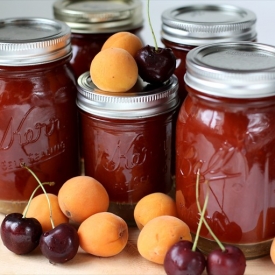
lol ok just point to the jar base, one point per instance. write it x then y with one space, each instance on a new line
7 207
251 251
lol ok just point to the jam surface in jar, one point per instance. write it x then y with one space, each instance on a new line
38 111
186 27
93 22
127 140
226 132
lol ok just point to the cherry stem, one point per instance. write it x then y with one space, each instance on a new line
151 27
45 192
51 183
202 214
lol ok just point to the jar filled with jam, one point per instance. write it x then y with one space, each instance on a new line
184 28
93 22
38 121
226 133
127 140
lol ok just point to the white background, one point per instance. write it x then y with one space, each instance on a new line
265 11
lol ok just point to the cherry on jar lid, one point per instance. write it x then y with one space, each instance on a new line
232 70
140 102
33 41
88 16
203 24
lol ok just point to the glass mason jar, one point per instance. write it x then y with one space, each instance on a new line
127 140
226 132
93 22
38 111
186 27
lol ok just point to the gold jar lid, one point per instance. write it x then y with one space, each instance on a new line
101 16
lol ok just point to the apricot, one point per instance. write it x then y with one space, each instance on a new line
103 234
81 197
159 234
153 205
39 209
114 70
272 251
124 40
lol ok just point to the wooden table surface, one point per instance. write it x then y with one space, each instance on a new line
128 262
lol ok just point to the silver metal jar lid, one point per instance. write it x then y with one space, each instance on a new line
232 70
101 16
33 41
201 24
141 101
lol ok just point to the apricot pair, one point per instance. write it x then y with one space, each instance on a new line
114 68
156 217
78 198
84 201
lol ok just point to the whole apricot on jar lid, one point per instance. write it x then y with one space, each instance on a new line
124 40
114 70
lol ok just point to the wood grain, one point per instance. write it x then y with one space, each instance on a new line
128 262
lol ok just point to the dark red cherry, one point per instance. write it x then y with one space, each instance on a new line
230 262
60 244
155 66
19 234
180 259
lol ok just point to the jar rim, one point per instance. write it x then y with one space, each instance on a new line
86 16
233 70
33 40
141 101
202 24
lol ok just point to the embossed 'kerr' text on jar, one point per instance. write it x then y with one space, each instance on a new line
127 140
37 106
186 27
226 132
93 22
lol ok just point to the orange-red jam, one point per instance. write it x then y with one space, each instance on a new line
226 132
38 111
